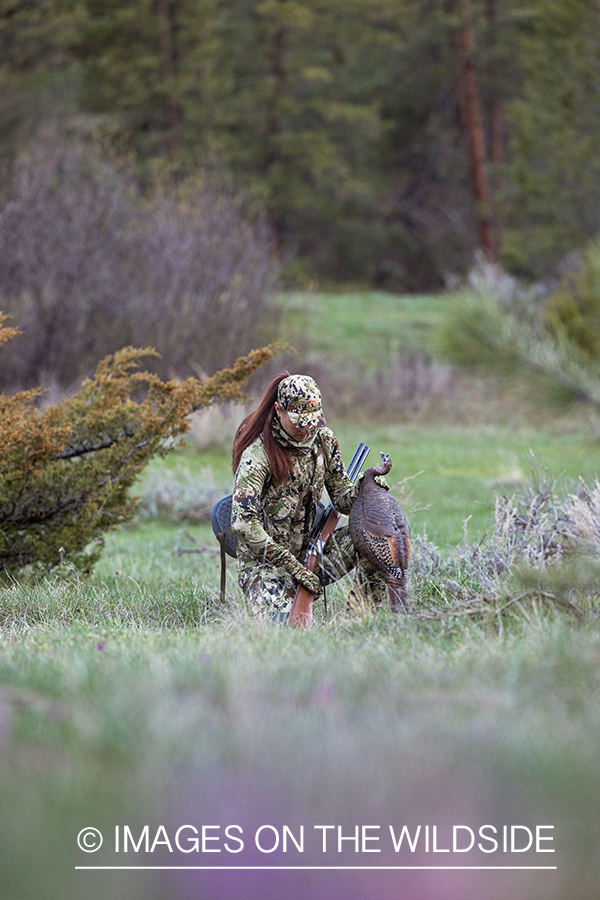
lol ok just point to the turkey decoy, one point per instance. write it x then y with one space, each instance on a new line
379 532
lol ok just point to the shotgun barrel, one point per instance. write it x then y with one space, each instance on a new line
301 613
356 464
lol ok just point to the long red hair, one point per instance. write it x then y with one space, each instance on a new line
259 423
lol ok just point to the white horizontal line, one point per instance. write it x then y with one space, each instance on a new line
320 868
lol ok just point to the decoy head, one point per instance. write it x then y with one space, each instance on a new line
386 464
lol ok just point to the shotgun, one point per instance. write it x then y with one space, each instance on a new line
301 613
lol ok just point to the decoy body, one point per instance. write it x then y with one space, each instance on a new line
379 532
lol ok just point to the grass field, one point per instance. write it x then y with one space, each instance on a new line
364 326
133 698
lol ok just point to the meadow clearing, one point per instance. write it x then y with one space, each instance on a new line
132 698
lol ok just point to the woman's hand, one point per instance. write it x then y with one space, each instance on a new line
303 575
310 581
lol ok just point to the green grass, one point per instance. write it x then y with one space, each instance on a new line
367 327
117 709
133 697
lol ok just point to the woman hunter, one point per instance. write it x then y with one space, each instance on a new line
283 456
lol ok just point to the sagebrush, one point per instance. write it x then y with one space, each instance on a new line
92 259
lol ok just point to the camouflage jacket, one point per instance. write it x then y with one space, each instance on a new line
271 521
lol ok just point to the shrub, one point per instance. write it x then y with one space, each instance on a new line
91 261
65 472
523 342
543 549
575 306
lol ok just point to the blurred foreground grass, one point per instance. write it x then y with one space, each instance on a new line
154 707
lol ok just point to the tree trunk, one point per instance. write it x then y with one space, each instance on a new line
496 118
463 41
497 146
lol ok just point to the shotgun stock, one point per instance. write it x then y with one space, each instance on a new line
301 613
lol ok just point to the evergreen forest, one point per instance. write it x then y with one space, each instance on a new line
385 141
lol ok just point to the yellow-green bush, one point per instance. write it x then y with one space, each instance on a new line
575 306
65 472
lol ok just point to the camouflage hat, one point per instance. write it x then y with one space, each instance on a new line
300 397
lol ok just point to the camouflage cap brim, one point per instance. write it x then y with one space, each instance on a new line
305 420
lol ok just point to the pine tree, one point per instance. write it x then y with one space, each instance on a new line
386 138
553 178
37 71
280 94
65 473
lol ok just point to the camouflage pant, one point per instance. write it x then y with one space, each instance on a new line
270 591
